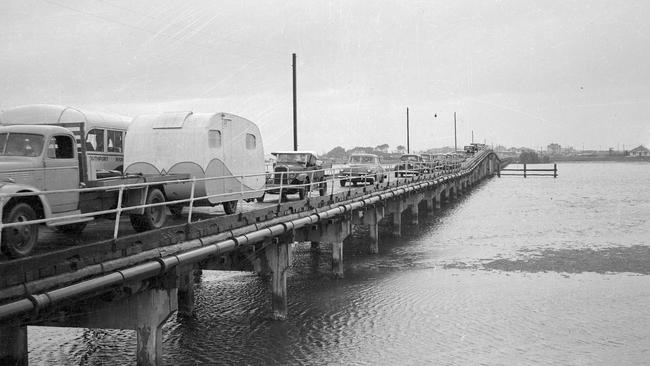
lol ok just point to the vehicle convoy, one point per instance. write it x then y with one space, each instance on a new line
102 133
43 159
224 152
296 172
409 164
362 168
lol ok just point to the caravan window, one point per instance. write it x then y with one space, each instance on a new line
114 141
214 138
250 141
95 140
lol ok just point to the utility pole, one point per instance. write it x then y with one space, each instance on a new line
455 143
472 136
408 145
295 106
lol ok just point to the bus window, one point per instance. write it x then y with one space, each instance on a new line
114 139
95 140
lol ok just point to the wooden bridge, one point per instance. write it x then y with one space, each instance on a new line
137 281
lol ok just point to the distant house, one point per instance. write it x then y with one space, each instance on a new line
554 149
640 151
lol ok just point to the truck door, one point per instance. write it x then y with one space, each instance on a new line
61 172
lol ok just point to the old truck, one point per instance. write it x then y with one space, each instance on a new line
296 172
43 164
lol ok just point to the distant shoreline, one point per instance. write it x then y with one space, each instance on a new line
582 159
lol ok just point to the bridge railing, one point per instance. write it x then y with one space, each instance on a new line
332 176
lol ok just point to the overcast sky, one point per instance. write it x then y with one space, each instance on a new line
517 73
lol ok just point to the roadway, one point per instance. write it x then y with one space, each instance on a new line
102 229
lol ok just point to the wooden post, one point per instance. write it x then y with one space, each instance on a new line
555 170
374 215
337 259
277 255
13 345
397 207
186 292
415 210
524 170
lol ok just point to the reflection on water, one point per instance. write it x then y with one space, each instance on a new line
522 271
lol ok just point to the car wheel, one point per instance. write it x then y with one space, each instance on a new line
342 182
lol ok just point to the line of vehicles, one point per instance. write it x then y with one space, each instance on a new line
64 167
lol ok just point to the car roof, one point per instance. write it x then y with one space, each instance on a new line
295 152
363 154
35 129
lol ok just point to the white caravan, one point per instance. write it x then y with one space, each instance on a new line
204 145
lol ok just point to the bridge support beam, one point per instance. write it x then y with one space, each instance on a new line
334 233
396 207
429 198
374 215
186 292
277 256
13 345
415 211
437 198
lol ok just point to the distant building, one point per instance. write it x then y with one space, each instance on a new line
554 149
640 151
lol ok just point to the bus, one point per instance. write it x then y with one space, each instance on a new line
99 136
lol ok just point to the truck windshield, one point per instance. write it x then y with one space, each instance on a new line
292 158
21 144
360 159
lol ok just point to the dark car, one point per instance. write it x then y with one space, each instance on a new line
296 172
362 168
409 164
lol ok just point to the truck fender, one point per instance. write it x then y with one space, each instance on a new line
18 188
302 177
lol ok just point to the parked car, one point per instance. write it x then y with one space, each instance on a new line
430 162
362 168
296 172
409 164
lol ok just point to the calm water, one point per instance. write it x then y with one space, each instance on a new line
536 271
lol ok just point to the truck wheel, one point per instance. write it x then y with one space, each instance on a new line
230 207
342 182
322 190
19 241
71 228
153 217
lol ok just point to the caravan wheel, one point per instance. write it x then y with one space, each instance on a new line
230 207
153 217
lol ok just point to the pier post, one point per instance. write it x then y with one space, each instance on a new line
13 345
186 292
277 255
438 201
150 310
334 232
415 210
429 198
374 215
396 207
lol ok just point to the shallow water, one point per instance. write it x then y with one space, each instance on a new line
535 271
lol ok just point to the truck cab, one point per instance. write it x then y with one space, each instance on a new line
35 158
